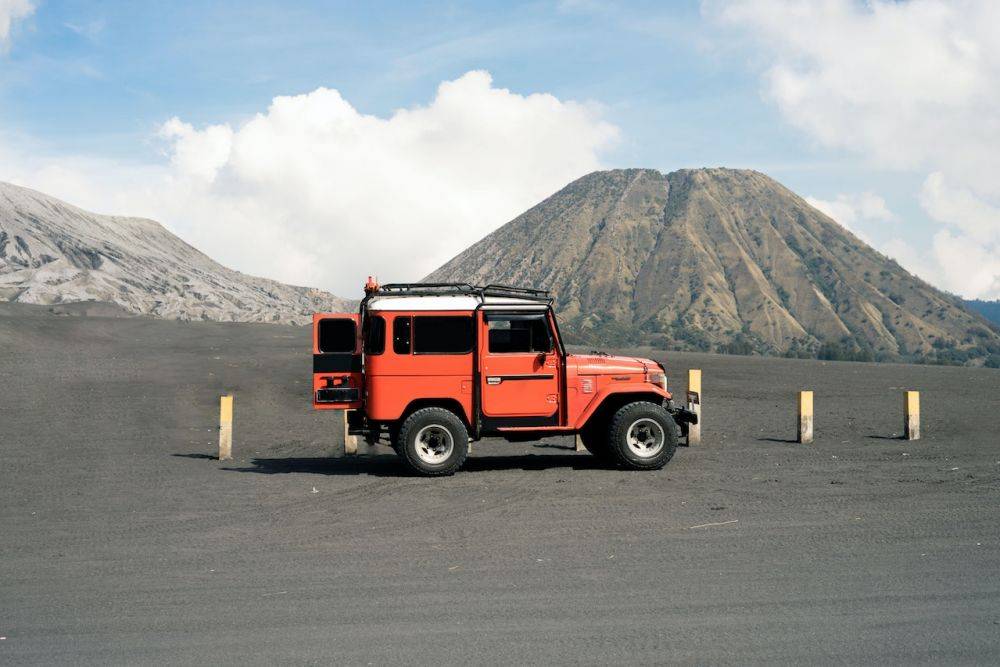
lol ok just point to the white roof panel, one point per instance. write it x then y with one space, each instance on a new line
451 302
447 302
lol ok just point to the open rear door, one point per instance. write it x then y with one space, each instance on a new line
337 380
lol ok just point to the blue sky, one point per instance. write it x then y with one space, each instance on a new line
135 66
684 83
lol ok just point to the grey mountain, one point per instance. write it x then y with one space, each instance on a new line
52 252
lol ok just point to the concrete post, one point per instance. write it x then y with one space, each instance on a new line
579 444
805 417
226 428
694 405
350 441
911 415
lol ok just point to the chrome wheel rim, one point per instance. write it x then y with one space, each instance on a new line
434 444
645 437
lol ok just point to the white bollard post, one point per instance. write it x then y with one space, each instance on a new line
805 417
911 415
694 405
226 428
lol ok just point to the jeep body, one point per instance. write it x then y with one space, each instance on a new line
428 365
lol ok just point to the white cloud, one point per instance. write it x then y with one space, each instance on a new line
11 11
90 30
850 209
312 191
967 267
916 262
909 85
954 262
960 207
198 154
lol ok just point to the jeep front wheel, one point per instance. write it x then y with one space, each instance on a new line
642 436
433 441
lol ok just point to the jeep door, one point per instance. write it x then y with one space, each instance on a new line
336 361
519 370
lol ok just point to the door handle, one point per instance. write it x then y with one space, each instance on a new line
497 379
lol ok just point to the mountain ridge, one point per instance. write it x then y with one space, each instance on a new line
53 252
718 259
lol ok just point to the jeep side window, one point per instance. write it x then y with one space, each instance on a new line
337 335
374 334
401 335
518 333
442 334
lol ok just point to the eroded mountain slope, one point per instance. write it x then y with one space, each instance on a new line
717 259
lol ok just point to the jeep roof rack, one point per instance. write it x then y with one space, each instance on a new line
462 289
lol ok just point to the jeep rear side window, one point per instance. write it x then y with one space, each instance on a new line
401 335
336 335
374 334
518 333
442 334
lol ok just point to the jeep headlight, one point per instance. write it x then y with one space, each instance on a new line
659 378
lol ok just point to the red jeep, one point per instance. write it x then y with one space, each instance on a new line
430 366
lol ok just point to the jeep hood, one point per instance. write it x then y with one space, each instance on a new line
602 364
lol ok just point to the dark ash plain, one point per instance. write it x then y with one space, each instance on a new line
122 540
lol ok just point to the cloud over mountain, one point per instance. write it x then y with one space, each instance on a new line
911 86
314 191
338 181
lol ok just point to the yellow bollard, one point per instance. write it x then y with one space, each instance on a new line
226 428
694 405
350 441
805 417
911 415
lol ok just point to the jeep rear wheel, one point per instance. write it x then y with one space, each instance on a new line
642 436
433 441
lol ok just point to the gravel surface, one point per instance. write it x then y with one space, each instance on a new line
122 540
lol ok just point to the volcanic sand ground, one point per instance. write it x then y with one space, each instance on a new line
123 541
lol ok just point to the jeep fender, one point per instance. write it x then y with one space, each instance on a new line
450 404
619 394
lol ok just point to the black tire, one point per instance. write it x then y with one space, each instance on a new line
442 435
644 417
594 436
